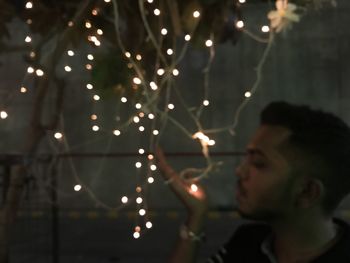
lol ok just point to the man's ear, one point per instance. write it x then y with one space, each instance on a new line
310 193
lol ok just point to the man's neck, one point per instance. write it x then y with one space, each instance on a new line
304 240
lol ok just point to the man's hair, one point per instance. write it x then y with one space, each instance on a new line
323 140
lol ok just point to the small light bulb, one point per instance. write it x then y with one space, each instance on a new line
169 51
68 68
138 189
29 21
39 72
141 128
95 128
127 54
70 23
151 116
116 132
70 53
3 114
150 1
209 43
142 212
87 24
58 135
240 24
32 54
196 14
139 200
187 37
156 12
242 1
136 119
141 114
175 72
164 31
138 165
155 132
160 71
89 86
93 117
90 57
29 5
265 29
28 39
96 97
136 80
88 66
211 142
149 224
136 235
141 151
99 32
124 199
30 70
77 187
138 57
171 106
107 1
123 99
247 94
153 167
150 180
150 157
23 89
94 12
138 106
153 85
194 188
205 102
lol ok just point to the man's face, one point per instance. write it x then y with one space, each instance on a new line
266 185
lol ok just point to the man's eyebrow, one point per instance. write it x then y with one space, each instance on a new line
253 151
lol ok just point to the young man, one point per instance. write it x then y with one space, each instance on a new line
295 174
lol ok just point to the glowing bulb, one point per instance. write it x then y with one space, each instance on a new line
160 71
242 1
150 1
142 212
156 12
265 29
99 32
153 167
70 23
171 106
169 51
164 31
211 142
149 224
30 70
68 68
151 116
88 66
39 72
141 151
107 1
70 53
116 132
123 99
209 43
194 188
153 85
29 5
187 37
97 43
150 157
90 57
32 54
247 94
240 24
58 135
28 39
196 14
127 54
93 117
138 57
141 128
87 24
136 80
139 200
89 86
94 12
141 114
77 187
3 114
136 119
150 180
29 21
23 89
205 102
136 235
124 199
138 106
138 189
95 128
155 132
96 97
175 72
138 165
